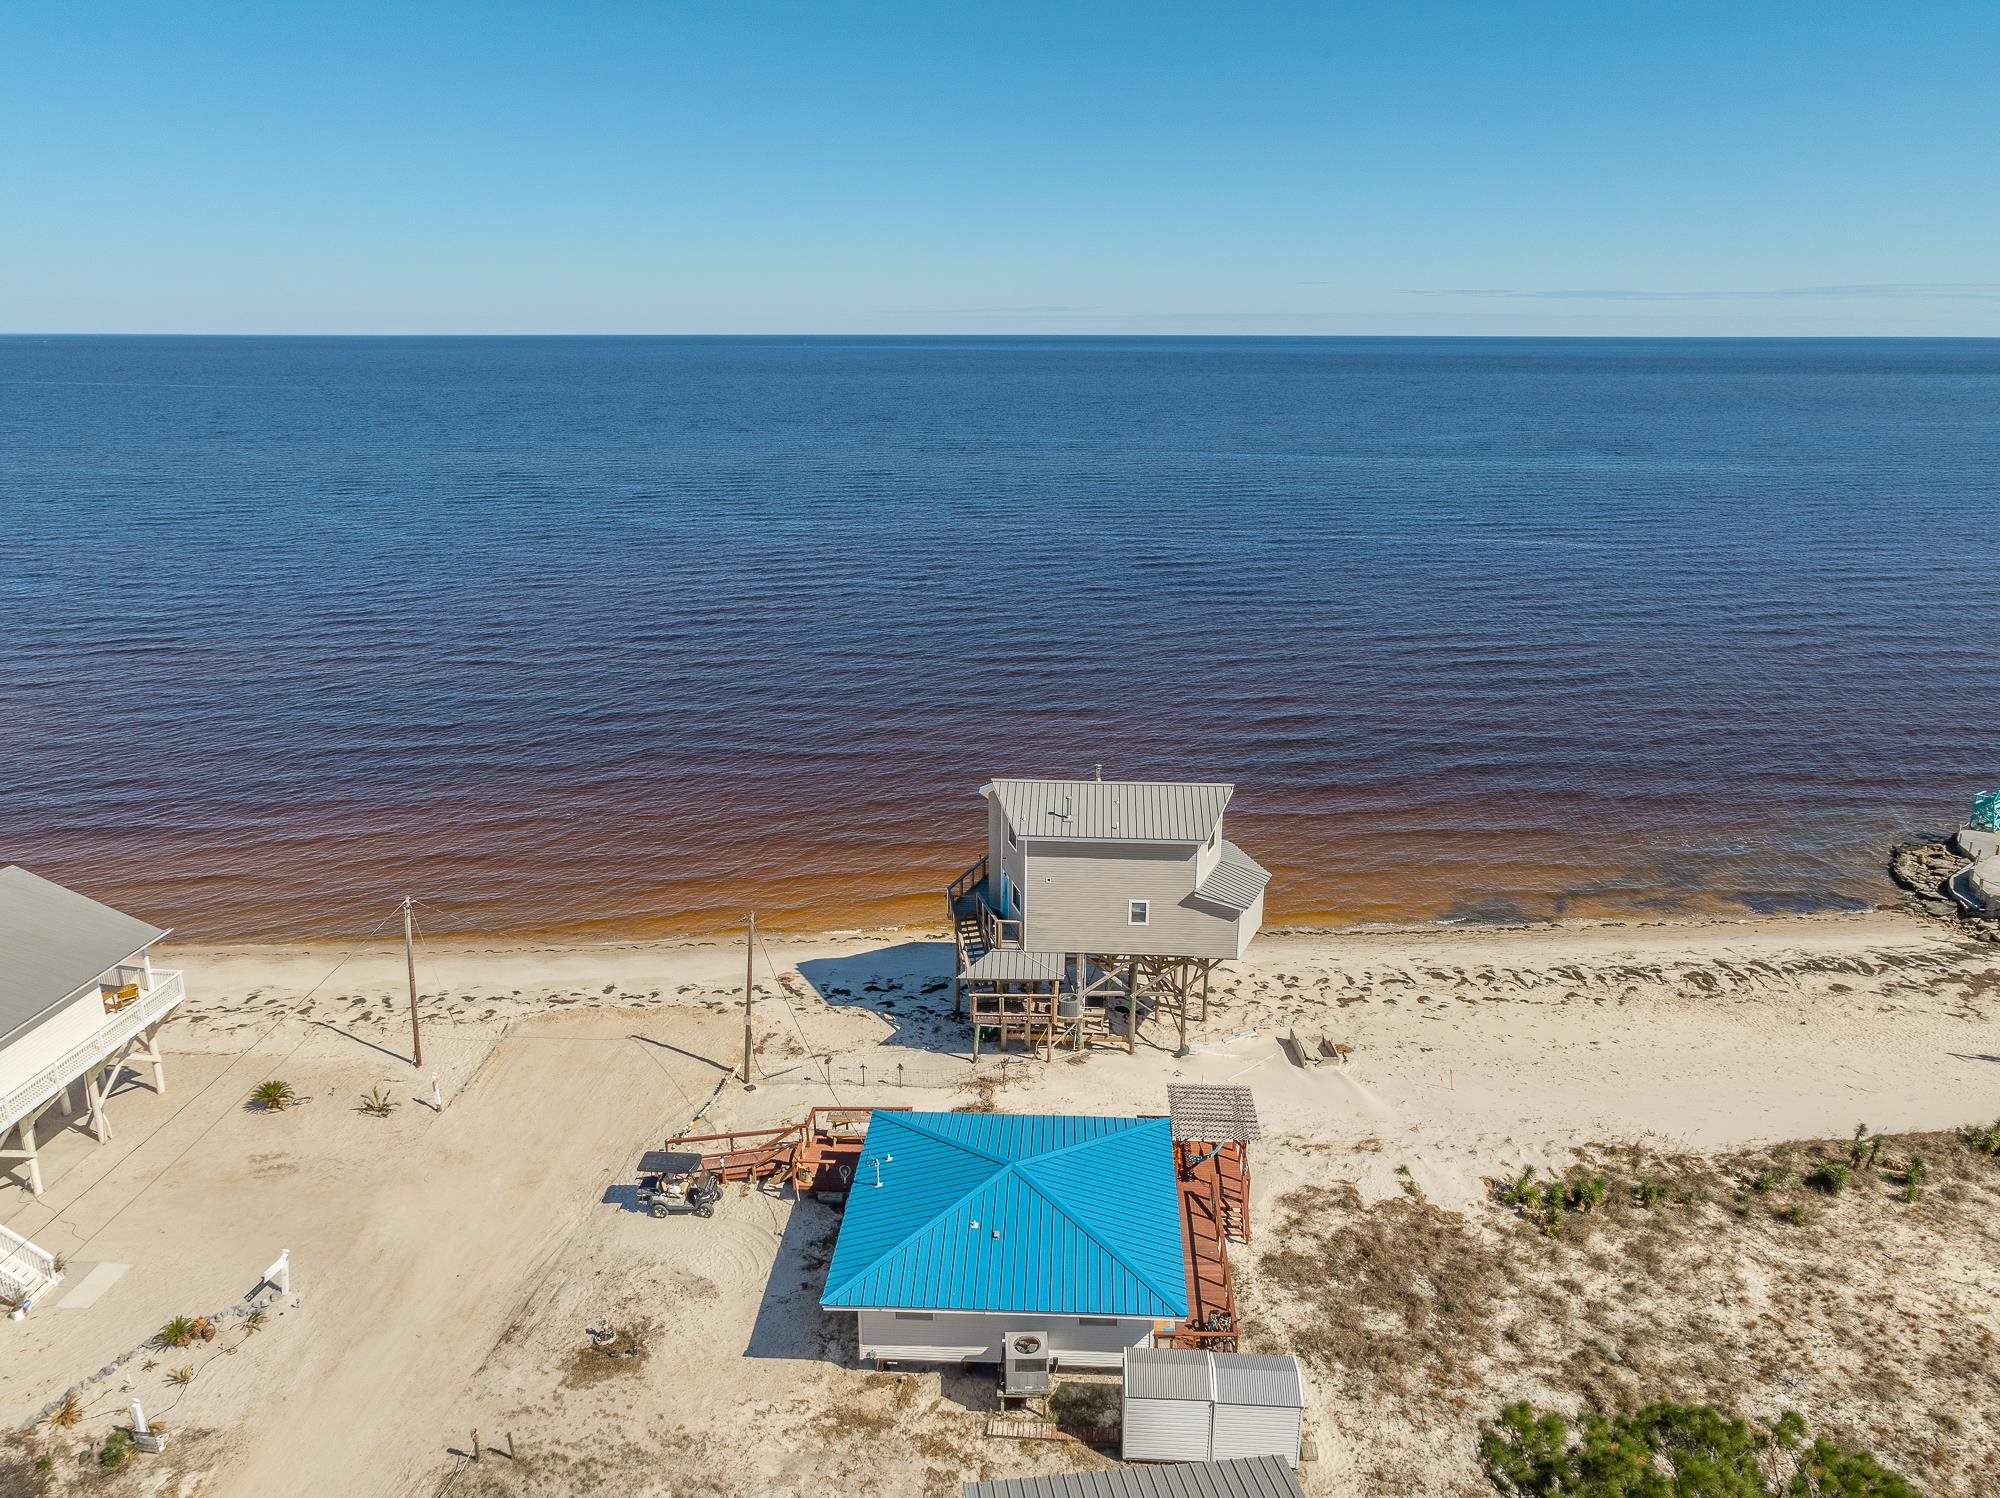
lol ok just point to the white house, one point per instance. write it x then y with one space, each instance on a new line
80 1000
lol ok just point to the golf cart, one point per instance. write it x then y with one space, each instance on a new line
666 1195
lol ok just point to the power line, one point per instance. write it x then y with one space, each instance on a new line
785 997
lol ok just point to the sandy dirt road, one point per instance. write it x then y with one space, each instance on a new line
459 1233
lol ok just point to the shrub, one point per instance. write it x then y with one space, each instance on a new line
1522 1193
1769 1179
1651 1192
1914 1176
1794 1214
178 1332
1857 1150
117 1447
378 1102
1829 1176
1984 1141
1688 1451
1585 1194
274 1096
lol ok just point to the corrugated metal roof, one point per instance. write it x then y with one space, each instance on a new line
1168 1373
1236 880
54 941
1212 1111
1242 1477
1254 1378
1012 965
1074 1216
1124 811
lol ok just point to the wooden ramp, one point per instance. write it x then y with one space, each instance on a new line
819 1153
1205 1234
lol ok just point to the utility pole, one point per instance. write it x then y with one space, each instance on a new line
410 957
749 982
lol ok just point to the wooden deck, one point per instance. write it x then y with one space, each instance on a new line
1215 1207
820 1153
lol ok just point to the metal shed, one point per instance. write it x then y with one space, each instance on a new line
1184 1406
1251 1477
1167 1398
1259 1403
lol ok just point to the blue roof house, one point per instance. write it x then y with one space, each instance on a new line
984 1225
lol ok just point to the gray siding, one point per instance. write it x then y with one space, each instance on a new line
1077 895
1165 1430
1256 1430
974 1337
1000 859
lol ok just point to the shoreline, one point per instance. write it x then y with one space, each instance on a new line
1292 930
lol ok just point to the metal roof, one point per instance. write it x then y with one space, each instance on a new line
1240 1477
1013 965
1236 880
1120 811
1030 1213
1168 1373
54 941
1212 1112
1254 1378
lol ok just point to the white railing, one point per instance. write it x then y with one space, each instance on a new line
24 1268
167 991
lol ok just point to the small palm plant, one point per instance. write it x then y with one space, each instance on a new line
254 1323
68 1413
274 1096
178 1332
378 1102
181 1377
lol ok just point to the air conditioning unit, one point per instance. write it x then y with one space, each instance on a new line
1026 1363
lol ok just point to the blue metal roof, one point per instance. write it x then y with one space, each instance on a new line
1072 1216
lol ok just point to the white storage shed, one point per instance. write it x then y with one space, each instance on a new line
1259 1406
1184 1406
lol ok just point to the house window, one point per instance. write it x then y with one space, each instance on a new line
1012 841
1140 910
1097 1321
913 1315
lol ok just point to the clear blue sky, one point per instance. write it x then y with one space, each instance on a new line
770 166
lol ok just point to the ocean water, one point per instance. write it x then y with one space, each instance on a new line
591 636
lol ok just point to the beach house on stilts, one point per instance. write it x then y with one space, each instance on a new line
80 1000
1097 903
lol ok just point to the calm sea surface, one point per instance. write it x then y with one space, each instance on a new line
602 635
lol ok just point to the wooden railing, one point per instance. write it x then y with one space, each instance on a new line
997 931
25 1268
966 883
151 1006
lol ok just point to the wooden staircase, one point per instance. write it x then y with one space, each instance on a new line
1233 1178
963 898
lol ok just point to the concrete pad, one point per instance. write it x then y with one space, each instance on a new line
1976 843
84 1293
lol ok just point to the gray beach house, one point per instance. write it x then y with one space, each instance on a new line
1096 903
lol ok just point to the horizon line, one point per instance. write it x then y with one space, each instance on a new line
1071 335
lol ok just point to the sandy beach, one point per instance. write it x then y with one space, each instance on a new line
449 1264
